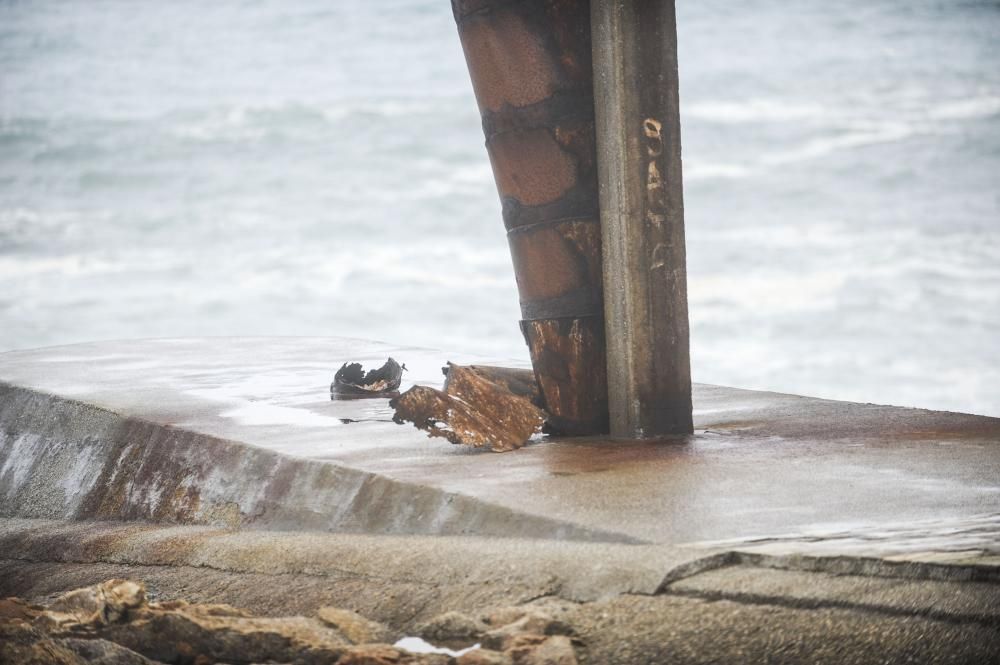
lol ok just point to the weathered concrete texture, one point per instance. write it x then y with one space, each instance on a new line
242 432
64 459
731 615
683 631
970 602
467 572
574 570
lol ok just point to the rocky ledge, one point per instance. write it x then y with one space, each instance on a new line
114 623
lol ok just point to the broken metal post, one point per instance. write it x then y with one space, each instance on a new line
530 64
642 216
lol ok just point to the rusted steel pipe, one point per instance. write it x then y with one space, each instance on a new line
530 64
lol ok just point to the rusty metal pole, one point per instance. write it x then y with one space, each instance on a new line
642 216
530 64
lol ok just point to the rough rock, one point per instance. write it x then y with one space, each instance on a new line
530 623
473 409
22 643
15 608
484 657
103 652
112 623
452 627
553 650
185 634
94 606
355 627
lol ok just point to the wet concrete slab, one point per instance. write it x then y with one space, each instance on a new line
759 465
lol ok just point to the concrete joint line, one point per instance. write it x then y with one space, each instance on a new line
328 573
829 603
868 567
862 566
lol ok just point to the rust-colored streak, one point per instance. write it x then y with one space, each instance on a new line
521 382
558 269
531 166
585 238
472 410
496 46
568 358
546 265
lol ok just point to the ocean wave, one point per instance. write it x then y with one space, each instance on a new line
255 122
967 109
822 146
753 111
695 170
772 292
72 265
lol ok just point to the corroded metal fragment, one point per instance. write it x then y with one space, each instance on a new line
351 381
521 382
574 385
483 407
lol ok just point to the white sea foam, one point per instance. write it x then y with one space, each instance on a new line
73 265
967 109
694 170
822 146
753 110
773 292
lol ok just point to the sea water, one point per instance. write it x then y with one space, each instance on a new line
317 168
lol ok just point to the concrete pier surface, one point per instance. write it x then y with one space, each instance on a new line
208 465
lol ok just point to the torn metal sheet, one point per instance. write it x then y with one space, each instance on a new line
521 382
483 407
351 381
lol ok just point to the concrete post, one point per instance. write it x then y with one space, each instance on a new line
642 216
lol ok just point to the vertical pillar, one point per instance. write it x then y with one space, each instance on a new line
529 61
642 216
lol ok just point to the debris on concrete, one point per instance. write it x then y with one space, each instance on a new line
351 381
479 407
114 623
521 382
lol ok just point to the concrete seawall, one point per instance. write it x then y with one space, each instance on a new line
242 432
63 459
218 470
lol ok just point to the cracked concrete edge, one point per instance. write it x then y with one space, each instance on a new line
951 601
961 569
64 459
573 570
